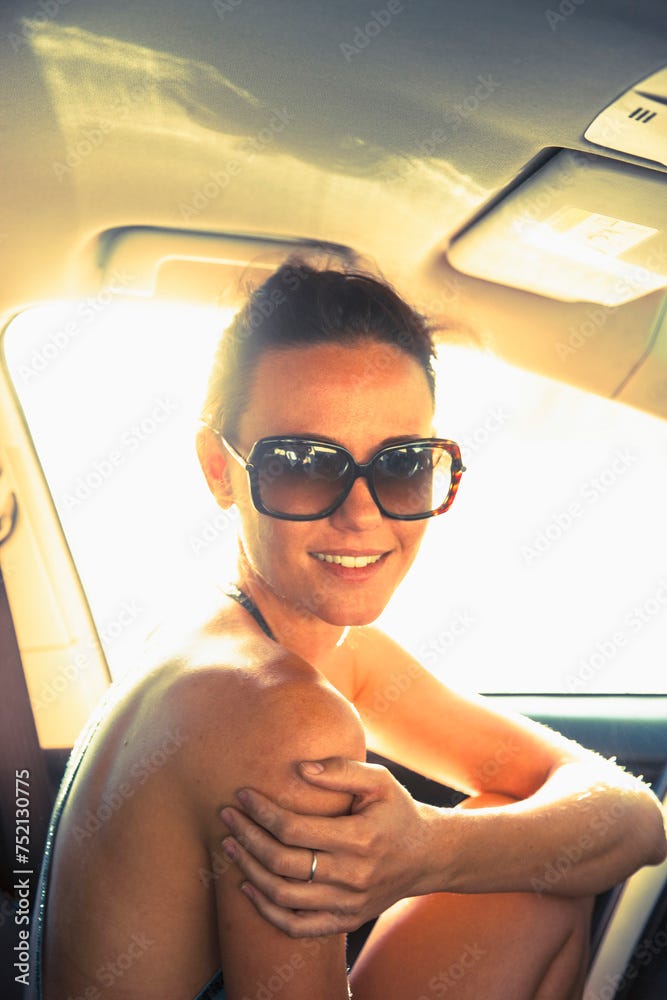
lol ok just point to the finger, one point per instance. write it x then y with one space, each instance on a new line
301 923
365 781
323 833
289 862
273 863
344 867
295 894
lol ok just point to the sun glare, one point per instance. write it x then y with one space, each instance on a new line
547 574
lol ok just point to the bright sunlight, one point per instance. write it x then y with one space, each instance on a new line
549 573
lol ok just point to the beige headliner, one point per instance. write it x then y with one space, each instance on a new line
280 120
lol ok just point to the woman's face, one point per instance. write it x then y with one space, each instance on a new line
360 396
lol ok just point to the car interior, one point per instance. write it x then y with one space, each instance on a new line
504 166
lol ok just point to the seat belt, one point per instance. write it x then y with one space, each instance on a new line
20 752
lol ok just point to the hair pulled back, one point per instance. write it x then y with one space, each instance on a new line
298 306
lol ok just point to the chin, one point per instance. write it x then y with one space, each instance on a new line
355 612
351 620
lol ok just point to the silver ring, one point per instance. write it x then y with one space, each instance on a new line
313 867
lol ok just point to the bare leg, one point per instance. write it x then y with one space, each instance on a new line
500 946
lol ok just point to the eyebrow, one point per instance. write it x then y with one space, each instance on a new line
404 438
396 439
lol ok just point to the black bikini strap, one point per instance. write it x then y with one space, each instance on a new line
246 602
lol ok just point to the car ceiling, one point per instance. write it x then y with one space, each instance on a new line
131 114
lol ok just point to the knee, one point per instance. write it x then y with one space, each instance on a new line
579 911
563 918
486 799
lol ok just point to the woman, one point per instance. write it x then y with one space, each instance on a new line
318 426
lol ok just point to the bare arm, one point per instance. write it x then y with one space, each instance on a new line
589 826
570 824
570 802
258 738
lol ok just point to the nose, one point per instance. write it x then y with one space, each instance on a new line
358 512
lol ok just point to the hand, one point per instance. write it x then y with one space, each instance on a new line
366 861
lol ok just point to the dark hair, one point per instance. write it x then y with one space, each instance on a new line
297 306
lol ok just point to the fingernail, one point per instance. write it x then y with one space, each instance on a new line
227 817
247 889
229 847
312 767
244 796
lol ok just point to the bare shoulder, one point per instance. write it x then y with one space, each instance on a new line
378 657
369 640
247 686
247 715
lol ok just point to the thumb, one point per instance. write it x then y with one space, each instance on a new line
345 775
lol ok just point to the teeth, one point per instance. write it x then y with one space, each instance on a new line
349 561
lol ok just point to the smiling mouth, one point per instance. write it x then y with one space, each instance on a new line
351 562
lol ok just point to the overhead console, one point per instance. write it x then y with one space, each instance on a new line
636 122
581 227
586 231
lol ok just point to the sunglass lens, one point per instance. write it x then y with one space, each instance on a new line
412 480
301 479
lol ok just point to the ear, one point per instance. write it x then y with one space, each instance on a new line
213 461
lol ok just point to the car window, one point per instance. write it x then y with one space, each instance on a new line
548 574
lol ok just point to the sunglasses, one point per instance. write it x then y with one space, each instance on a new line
302 479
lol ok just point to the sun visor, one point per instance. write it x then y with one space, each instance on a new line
151 260
636 123
581 227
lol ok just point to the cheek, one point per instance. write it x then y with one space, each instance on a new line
270 544
410 539
412 533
